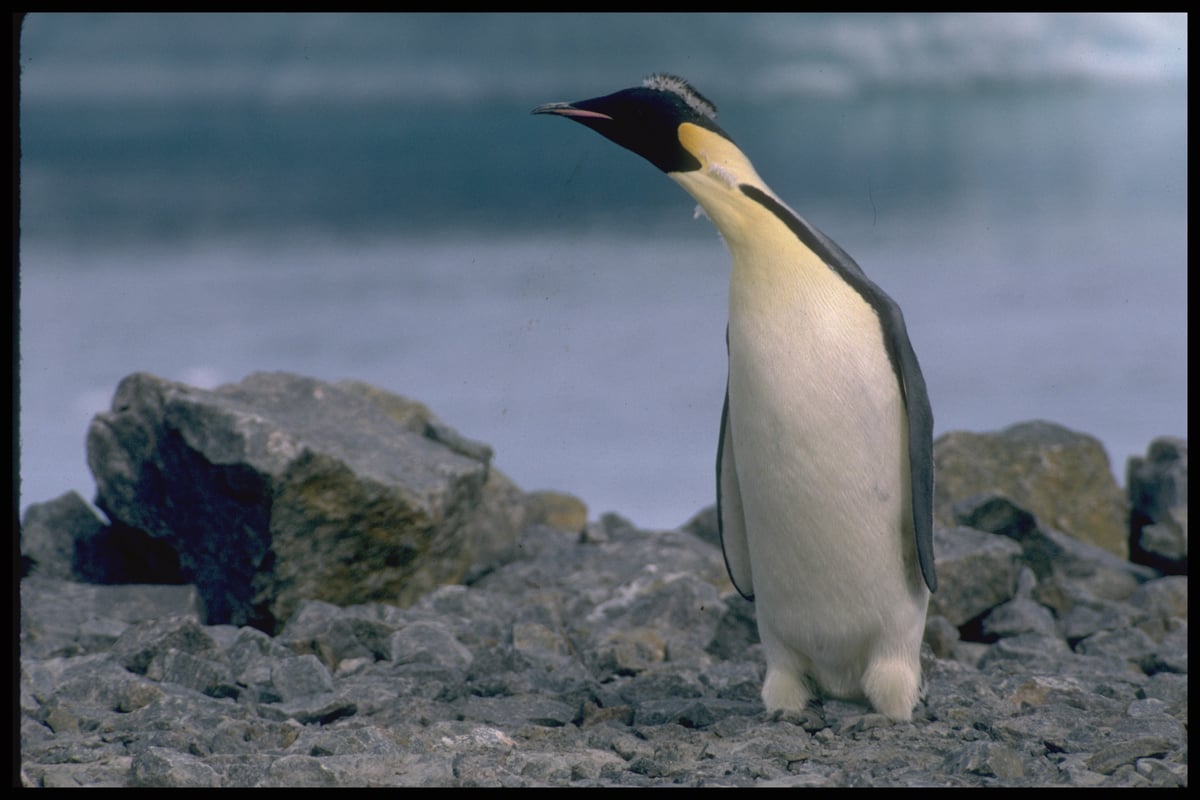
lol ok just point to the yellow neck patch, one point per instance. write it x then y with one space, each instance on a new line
718 156
715 185
769 258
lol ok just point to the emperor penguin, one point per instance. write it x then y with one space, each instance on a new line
825 451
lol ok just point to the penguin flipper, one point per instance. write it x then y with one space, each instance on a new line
920 439
920 459
731 524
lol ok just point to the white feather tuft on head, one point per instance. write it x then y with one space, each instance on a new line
664 82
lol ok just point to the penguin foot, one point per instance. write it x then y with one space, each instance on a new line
893 687
785 691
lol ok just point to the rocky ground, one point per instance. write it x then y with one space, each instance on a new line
230 624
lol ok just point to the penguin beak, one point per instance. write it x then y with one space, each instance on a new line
568 110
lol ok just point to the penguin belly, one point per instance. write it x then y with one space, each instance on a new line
820 442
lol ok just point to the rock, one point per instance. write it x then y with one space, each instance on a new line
1081 617
64 538
556 510
144 642
333 635
976 572
941 635
1164 598
49 532
430 643
504 683
1063 477
1022 614
494 527
515 711
199 674
1089 568
704 524
301 676
1164 545
996 513
608 656
283 488
160 767
503 509
1107 760
987 759
1050 553
119 553
1157 486
1171 655
64 618
630 652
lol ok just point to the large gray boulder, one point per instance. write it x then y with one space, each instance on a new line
1062 476
283 488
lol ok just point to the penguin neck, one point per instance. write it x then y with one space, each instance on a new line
781 265
756 225
772 266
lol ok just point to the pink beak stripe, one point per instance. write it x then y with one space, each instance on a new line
567 111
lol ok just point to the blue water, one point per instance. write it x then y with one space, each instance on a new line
368 197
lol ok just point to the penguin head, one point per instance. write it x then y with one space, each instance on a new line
647 119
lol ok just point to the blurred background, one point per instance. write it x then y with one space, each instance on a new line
368 197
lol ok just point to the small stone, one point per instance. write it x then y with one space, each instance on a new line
199 674
141 643
1147 707
629 652
428 642
302 676
1019 616
556 510
988 759
162 768
1107 760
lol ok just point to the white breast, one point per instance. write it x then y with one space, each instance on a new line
820 440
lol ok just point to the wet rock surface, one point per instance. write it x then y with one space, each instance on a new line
593 653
